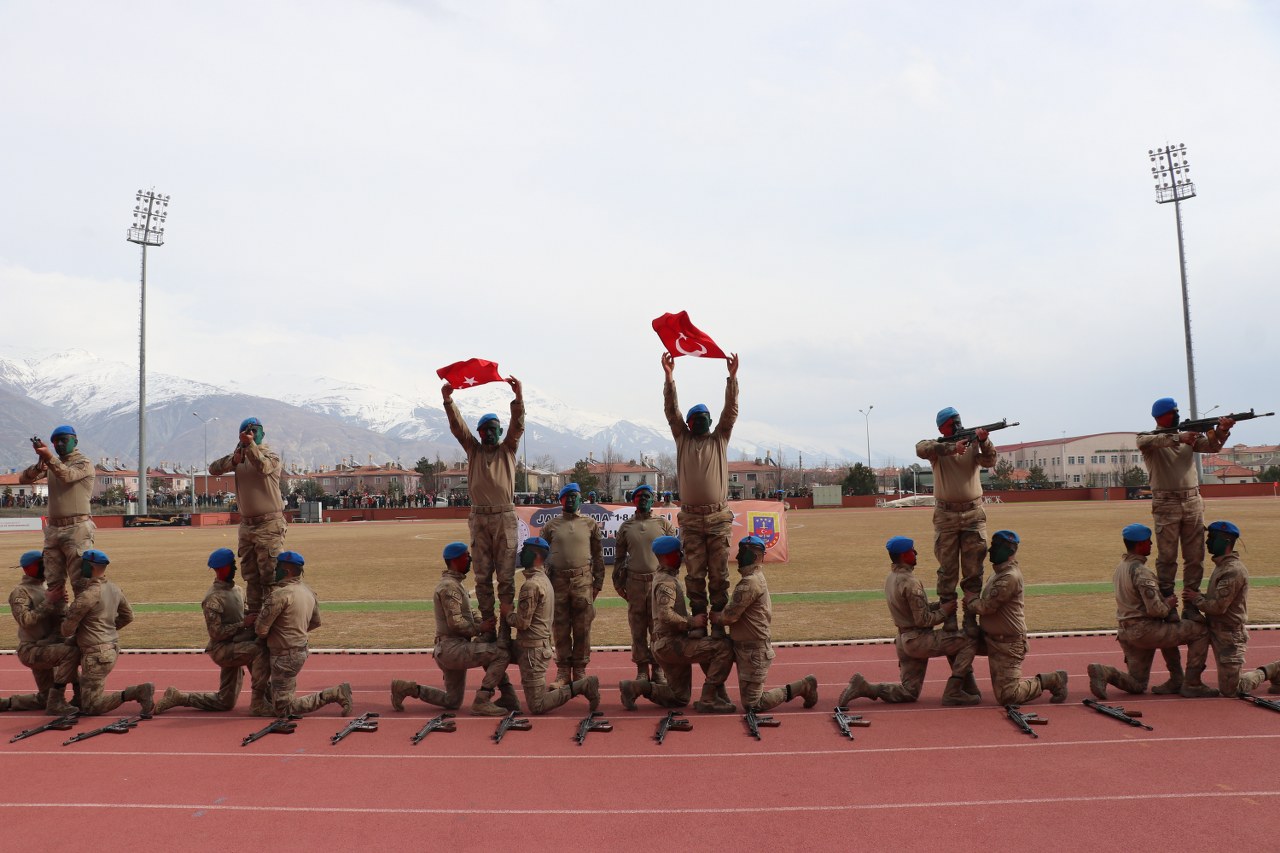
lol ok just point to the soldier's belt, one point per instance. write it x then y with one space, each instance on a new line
572 573
640 576
963 506
703 509
68 520
538 643
751 644
1175 493
258 519
99 647
492 510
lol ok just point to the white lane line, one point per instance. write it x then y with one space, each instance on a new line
842 807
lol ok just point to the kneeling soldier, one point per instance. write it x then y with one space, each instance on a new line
92 623
288 614
674 647
748 615
1004 629
457 648
917 641
40 646
223 608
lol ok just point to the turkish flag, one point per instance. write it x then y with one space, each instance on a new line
681 337
469 373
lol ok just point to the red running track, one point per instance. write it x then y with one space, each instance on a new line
920 775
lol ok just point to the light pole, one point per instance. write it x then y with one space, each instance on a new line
149 213
866 416
204 422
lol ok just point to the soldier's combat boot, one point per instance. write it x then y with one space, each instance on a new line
1098 680
953 693
971 629
579 672
1250 680
507 697
1190 611
589 687
1194 688
971 685
858 688
631 689
697 633
483 705
171 699
949 623
55 704
806 689
710 703
5 703
564 675
1272 671
75 694
642 672
143 694
344 698
1173 660
261 707
401 690
722 695
656 675
1056 683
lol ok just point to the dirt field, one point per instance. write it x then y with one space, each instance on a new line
375 580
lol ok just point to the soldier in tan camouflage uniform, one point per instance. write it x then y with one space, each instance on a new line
459 647
40 646
1225 606
491 482
576 567
702 470
92 622
677 649
748 616
633 568
915 619
288 615
262 524
1004 629
1176 506
69 529
223 608
1144 627
959 521
533 618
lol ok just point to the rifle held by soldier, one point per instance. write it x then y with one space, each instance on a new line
1206 424
970 433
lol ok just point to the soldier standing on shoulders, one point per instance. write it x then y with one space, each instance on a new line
69 530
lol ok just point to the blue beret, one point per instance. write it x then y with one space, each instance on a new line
899 545
248 422
572 487
537 542
291 557
753 541
222 558
65 429
1136 533
643 487
1162 406
947 414
1225 527
697 410
454 550
93 555
29 557
666 545
484 419
1006 534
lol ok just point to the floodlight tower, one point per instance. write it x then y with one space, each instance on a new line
149 213
1171 172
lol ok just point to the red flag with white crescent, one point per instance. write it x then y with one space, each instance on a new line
681 337
470 373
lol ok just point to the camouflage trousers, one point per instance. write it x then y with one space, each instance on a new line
959 545
677 656
62 549
913 661
1140 641
257 550
43 661
231 659
1004 657
753 660
493 553
285 667
454 656
639 617
1229 645
705 539
96 663
1179 521
575 610
533 679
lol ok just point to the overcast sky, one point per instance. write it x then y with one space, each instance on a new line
905 205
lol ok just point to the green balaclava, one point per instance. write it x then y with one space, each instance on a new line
1002 550
528 556
1219 543
281 572
86 569
747 556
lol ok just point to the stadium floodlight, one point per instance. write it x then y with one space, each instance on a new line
866 416
150 211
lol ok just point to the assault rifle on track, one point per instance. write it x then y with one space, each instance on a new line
363 723
511 722
593 722
1024 721
755 722
1260 702
282 726
970 433
442 723
59 724
1205 424
119 727
674 721
845 720
1118 713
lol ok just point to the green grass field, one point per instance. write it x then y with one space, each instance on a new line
375 580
